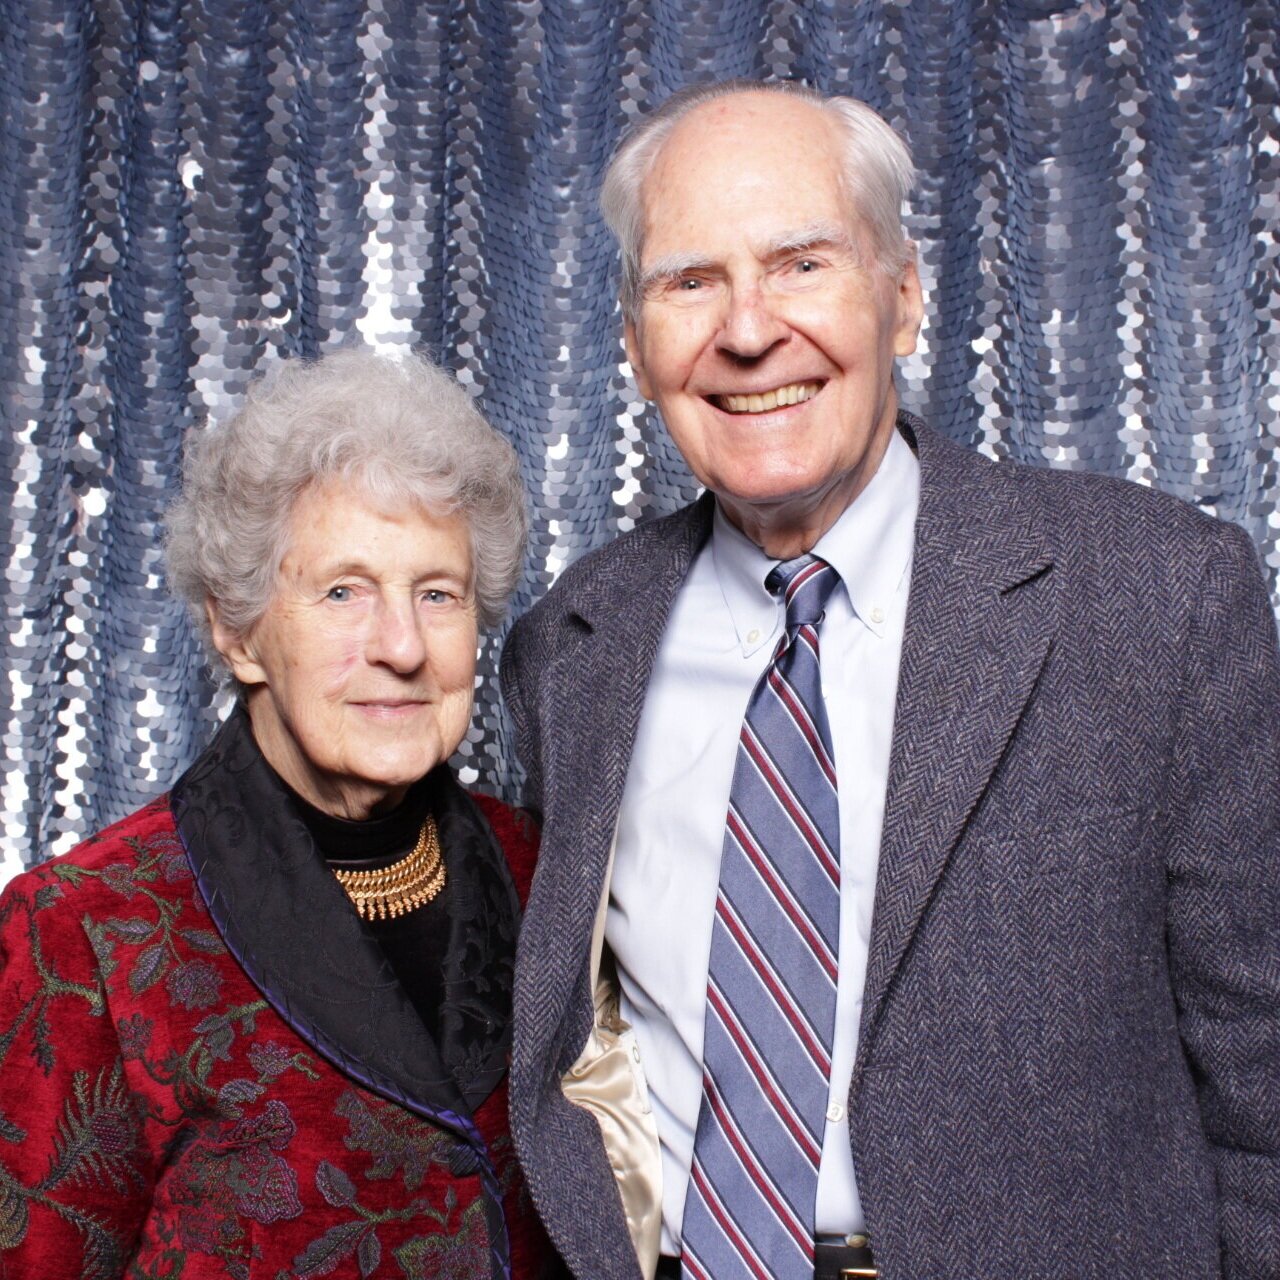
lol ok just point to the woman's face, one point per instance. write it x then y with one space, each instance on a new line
360 673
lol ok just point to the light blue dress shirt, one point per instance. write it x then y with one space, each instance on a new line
722 632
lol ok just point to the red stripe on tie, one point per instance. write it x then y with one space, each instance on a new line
780 994
781 1103
800 716
779 786
740 1243
802 577
807 632
755 855
756 1171
693 1266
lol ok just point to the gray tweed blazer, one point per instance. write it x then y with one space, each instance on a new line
1069 1057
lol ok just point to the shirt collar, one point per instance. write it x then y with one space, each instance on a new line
869 546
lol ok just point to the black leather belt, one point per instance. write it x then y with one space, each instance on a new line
834 1258
843 1258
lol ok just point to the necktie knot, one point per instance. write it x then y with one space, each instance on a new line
805 584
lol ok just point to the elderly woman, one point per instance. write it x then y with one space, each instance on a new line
260 1028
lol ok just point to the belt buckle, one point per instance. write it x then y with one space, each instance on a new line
861 1266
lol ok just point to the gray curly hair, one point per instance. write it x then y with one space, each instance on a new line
402 429
877 173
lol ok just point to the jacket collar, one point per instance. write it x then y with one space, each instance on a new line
650 567
981 616
290 926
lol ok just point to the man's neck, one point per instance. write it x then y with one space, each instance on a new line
792 526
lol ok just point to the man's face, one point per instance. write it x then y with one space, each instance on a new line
765 331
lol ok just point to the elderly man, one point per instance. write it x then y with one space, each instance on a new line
936 802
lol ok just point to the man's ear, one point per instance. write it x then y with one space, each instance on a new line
910 308
237 650
632 341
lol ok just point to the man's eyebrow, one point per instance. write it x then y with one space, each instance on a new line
814 235
670 266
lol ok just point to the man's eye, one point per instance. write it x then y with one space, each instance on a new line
339 594
687 284
806 266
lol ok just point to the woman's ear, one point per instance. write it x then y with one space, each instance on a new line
237 650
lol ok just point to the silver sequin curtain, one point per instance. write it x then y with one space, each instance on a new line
191 188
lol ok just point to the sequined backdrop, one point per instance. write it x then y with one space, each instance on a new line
190 188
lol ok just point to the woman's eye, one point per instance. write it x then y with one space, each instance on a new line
436 596
339 595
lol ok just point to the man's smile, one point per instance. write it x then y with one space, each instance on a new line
766 401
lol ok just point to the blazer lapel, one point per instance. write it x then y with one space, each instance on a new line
980 619
612 625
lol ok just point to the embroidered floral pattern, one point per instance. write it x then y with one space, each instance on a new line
394 1138
158 1118
134 1033
270 1059
95 1142
464 1256
397 1145
234 1176
194 985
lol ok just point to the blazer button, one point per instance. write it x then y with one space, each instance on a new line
463 1162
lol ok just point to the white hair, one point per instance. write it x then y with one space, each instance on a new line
876 175
401 429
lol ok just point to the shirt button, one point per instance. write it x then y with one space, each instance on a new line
835 1113
877 614
753 635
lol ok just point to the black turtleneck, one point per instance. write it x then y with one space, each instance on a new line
414 943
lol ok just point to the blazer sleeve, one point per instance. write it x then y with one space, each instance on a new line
1224 896
75 1180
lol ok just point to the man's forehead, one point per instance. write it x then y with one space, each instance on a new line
745 121
732 155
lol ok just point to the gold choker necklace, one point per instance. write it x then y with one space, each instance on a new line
407 883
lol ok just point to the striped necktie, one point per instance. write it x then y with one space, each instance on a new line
771 986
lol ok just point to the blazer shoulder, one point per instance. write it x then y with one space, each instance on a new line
1121 550
1135 550
1089 509
619 567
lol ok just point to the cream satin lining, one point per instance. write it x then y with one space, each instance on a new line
608 1080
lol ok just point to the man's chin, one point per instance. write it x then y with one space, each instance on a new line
781 497
785 517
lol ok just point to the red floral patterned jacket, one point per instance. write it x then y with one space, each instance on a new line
207 1070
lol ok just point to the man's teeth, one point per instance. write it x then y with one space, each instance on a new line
780 397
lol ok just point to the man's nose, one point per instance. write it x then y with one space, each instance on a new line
751 325
397 638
